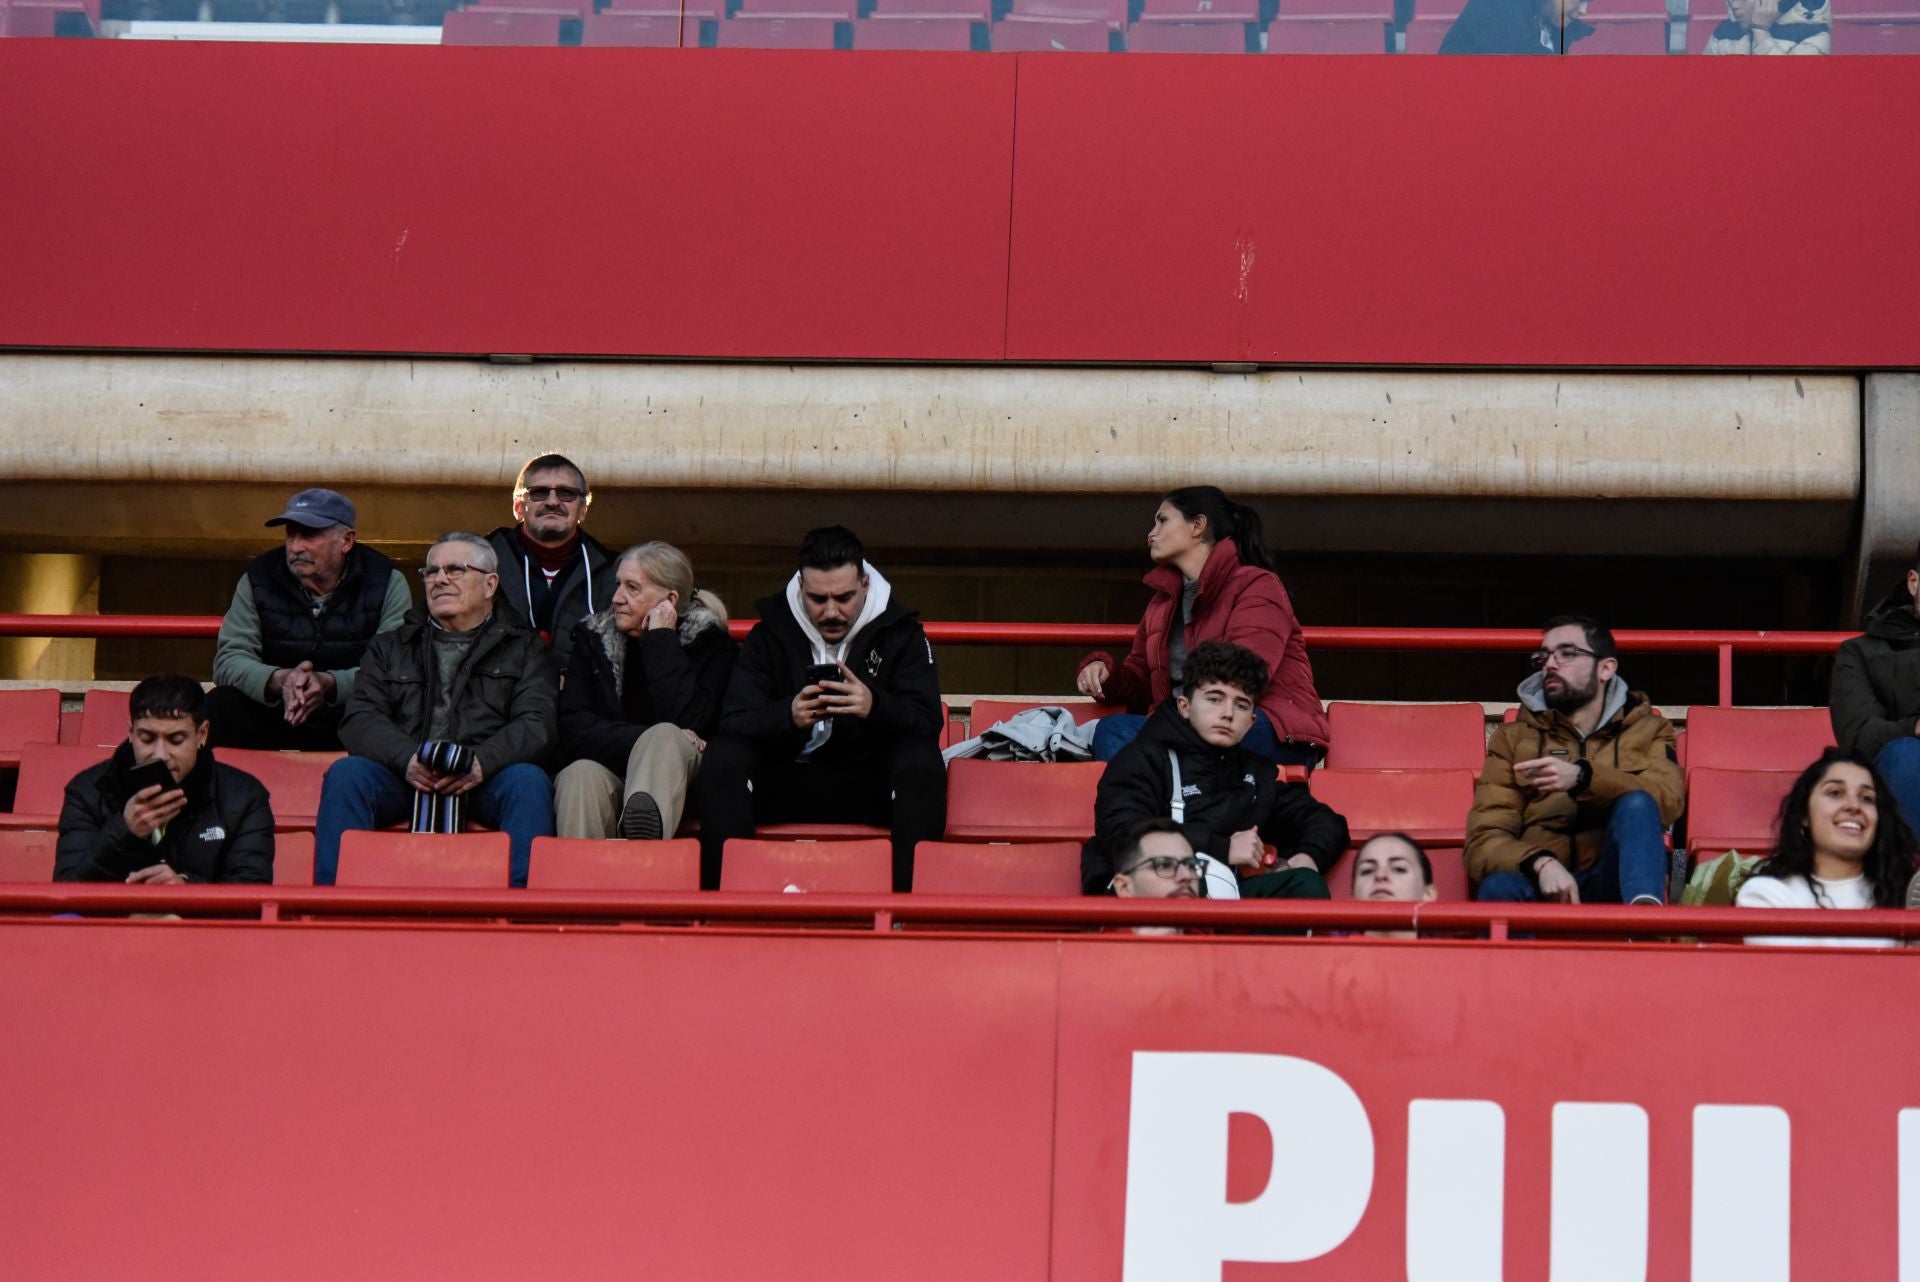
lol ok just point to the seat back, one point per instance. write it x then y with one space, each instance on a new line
30 716
767 32
1406 736
293 859
480 27
1756 738
1050 35
971 868
468 860
1021 800
292 780
103 717
572 863
824 867
1734 809
1429 806
907 32
27 856
45 771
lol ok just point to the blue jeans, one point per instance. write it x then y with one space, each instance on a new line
1632 863
1110 734
365 795
1899 765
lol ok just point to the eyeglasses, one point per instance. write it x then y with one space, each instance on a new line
565 493
451 573
1165 866
1564 653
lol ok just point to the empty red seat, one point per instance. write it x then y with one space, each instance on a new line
1756 738
424 860
1623 33
1734 809
1021 800
1049 35
969 868
914 33
568 863
293 859
30 19
1200 11
30 716
1430 25
1187 37
484 27
103 717
986 712
1428 805
1327 35
27 857
292 780
750 32
1449 873
45 771
976 10
1406 736
1854 34
640 31
823 867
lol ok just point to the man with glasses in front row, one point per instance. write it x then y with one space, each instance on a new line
552 572
1574 800
1155 862
458 681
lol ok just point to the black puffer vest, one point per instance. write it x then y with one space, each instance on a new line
289 632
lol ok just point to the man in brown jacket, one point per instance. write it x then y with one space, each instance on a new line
1576 795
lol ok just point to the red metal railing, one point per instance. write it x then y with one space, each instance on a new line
1723 645
495 908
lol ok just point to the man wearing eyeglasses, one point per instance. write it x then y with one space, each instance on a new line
458 672
552 572
1574 800
301 617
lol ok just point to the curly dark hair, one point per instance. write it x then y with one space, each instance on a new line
1227 663
1888 864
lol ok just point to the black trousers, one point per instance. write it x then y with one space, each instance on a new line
235 721
740 787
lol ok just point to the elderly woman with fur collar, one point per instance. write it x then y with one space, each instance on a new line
645 681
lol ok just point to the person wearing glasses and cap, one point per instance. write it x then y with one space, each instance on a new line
301 618
1576 794
552 572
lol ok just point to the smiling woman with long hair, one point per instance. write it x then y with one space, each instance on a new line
1842 843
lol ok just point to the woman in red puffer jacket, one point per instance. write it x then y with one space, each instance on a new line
1212 581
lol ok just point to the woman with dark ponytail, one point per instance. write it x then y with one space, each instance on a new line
1212 581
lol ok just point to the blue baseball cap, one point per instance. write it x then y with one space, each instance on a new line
316 510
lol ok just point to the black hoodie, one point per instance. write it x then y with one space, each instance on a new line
1227 790
1876 679
224 834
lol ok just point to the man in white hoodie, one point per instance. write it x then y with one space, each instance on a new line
832 714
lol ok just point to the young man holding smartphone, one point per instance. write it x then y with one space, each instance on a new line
162 811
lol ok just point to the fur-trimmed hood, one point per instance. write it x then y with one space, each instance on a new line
694 620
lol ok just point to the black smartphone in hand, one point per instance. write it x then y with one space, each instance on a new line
818 672
149 773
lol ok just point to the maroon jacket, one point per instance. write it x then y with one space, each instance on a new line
1239 603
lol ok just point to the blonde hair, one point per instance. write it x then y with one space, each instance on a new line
669 568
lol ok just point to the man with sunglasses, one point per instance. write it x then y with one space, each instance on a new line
458 672
552 572
1577 792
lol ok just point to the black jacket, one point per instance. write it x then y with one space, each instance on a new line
617 685
584 587
224 834
1509 26
1227 790
1876 679
891 655
504 705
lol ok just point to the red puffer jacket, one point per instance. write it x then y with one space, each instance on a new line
1239 603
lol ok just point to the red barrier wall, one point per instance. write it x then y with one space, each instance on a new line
737 203
245 1101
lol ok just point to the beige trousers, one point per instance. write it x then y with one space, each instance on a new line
588 797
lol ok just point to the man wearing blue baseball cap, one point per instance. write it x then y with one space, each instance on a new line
301 617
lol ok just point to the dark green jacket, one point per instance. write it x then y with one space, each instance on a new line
1876 679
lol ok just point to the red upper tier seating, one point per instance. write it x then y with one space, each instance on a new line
750 32
1756 738
561 863
30 716
970 868
1021 800
1187 37
1200 11
881 32
826 867
470 860
1314 33
640 30
502 27
1855 34
1406 736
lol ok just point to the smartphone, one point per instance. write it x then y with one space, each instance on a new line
818 672
147 775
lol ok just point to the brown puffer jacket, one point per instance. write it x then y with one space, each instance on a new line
1632 749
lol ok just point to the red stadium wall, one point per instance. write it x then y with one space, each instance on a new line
247 1101
711 203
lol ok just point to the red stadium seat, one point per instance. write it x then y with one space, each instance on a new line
103 718
1857 34
1624 26
27 857
1734 809
1200 11
484 27
45 771
640 31
1187 37
1021 800
1015 34
469 860
1406 736
757 32
1431 22
1313 34
293 859
292 780
1111 12
838 10
914 33
565 863
1428 805
30 716
975 10
969 868
1756 738
1449 873
825 867
30 19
